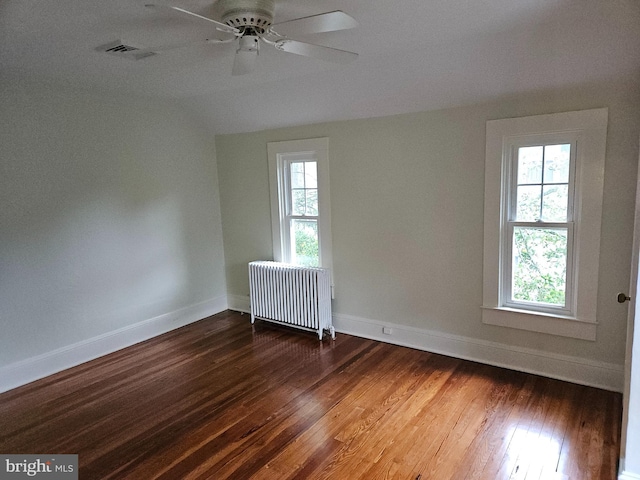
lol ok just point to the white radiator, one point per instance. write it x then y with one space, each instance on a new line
293 295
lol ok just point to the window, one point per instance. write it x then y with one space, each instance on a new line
543 204
300 222
300 208
538 240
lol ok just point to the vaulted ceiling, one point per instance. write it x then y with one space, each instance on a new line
413 55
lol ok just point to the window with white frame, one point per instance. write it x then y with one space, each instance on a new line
300 208
543 208
537 243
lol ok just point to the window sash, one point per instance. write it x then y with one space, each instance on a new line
289 189
288 233
512 173
510 223
293 254
507 299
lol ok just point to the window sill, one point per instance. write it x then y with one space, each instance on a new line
539 322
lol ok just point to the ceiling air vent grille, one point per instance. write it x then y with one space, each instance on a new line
122 50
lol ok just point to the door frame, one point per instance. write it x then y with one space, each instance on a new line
629 468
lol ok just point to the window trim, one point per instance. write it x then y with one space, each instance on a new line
588 128
277 153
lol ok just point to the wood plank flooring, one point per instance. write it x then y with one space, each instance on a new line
222 399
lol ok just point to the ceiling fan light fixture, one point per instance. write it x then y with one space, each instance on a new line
246 55
248 43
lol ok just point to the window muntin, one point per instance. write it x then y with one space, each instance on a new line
542 183
304 188
538 245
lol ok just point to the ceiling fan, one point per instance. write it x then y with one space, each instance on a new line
250 23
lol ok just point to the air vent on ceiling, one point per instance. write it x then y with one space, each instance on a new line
122 50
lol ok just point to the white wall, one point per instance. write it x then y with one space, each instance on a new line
110 222
407 221
109 216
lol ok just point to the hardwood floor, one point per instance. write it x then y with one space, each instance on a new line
222 399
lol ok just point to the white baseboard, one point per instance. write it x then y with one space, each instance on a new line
563 367
239 303
34 368
607 376
628 476
625 474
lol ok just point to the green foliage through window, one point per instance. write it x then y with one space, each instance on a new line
306 243
539 265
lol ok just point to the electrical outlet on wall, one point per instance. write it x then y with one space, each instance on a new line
387 330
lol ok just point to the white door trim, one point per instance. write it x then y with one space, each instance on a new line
630 440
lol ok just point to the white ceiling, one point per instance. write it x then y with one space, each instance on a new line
414 55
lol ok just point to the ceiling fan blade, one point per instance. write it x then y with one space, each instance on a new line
324 22
177 46
316 51
219 25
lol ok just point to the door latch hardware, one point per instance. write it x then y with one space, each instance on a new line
622 297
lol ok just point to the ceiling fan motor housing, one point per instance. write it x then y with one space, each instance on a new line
242 14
